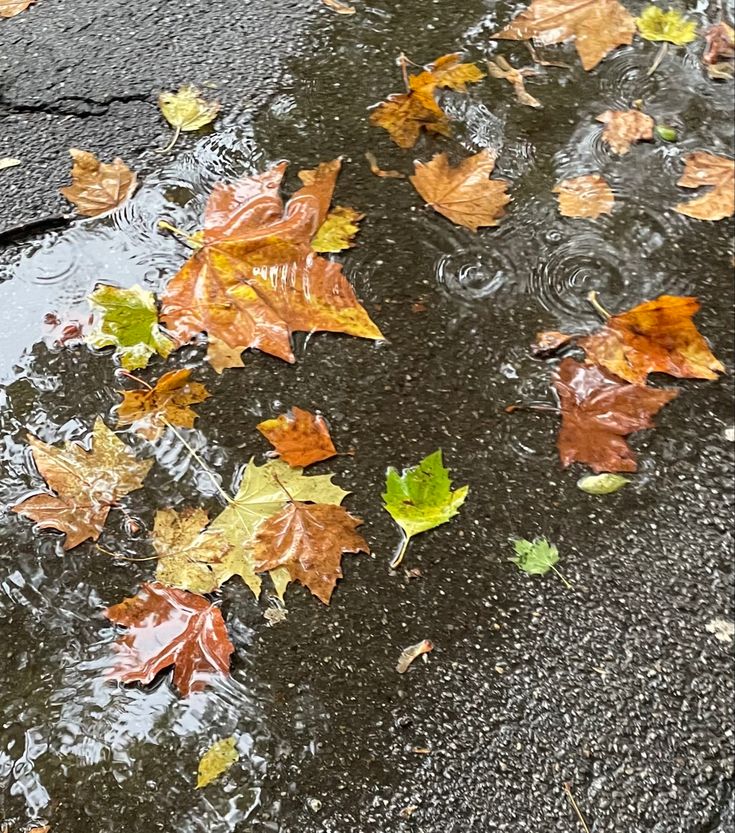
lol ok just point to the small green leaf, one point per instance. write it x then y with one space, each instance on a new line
535 557
421 498
657 25
668 134
602 484
128 320
217 760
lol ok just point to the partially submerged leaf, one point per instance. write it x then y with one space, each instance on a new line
98 187
585 197
166 627
464 194
624 128
216 761
10 8
413 652
671 26
170 400
602 484
308 540
421 498
186 110
596 26
340 8
338 231
450 73
87 484
255 280
127 319
598 411
702 169
502 69
549 342
656 336
535 557
300 437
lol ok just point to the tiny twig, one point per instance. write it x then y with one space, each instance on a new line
563 578
599 309
529 406
660 55
575 807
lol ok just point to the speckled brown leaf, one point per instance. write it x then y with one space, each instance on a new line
300 437
585 197
624 128
717 172
97 186
598 411
165 627
309 539
464 194
596 26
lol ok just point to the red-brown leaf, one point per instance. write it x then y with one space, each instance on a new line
300 437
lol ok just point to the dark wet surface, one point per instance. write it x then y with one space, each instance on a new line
616 687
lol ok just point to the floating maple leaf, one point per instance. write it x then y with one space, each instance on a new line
300 437
654 337
598 411
701 169
88 484
624 128
502 69
169 400
96 186
165 627
10 8
186 110
597 26
465 194
585 197
255 279
405 115
308 540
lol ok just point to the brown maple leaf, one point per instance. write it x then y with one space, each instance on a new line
597 26
502 69
624 128
654 337
255 279
701 169
309 539
598 411
720 40
96 186
167 626
168 401
300 437
585 197
10 8
88 484
465 194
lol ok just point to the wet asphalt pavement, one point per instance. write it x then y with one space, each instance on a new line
616 687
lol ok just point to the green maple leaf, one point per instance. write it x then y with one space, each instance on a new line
127 319
421 498
657 25
264 491
536 557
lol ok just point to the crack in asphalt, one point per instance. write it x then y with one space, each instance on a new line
72 105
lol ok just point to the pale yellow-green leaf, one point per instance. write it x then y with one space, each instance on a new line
338 230
671 26
7 162
216 761
602 484
186 110
281 578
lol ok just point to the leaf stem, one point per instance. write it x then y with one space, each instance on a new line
180 233
398 558
660 55
599 309
530 406
575 807
403 64
199 460
135 378
566 582
124 557
173 141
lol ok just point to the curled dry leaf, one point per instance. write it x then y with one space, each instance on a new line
465 194
166 627
596 26
97 186
169 400
702 169
300 437
10 8
338 230
598 411
216 761
585 197
339 8
656 336
413 652
308 540
254 278
186 110
87 484
624 128
502 69
376 170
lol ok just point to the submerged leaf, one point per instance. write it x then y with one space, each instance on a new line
216 761
338 231
702 169
671 26
502 69
585 197
127 319
300 437
464 194
602 484
165 627
96 186
535 557
87 484
624 128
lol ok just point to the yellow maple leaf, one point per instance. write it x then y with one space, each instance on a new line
186 110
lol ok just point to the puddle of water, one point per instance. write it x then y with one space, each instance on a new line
83 752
